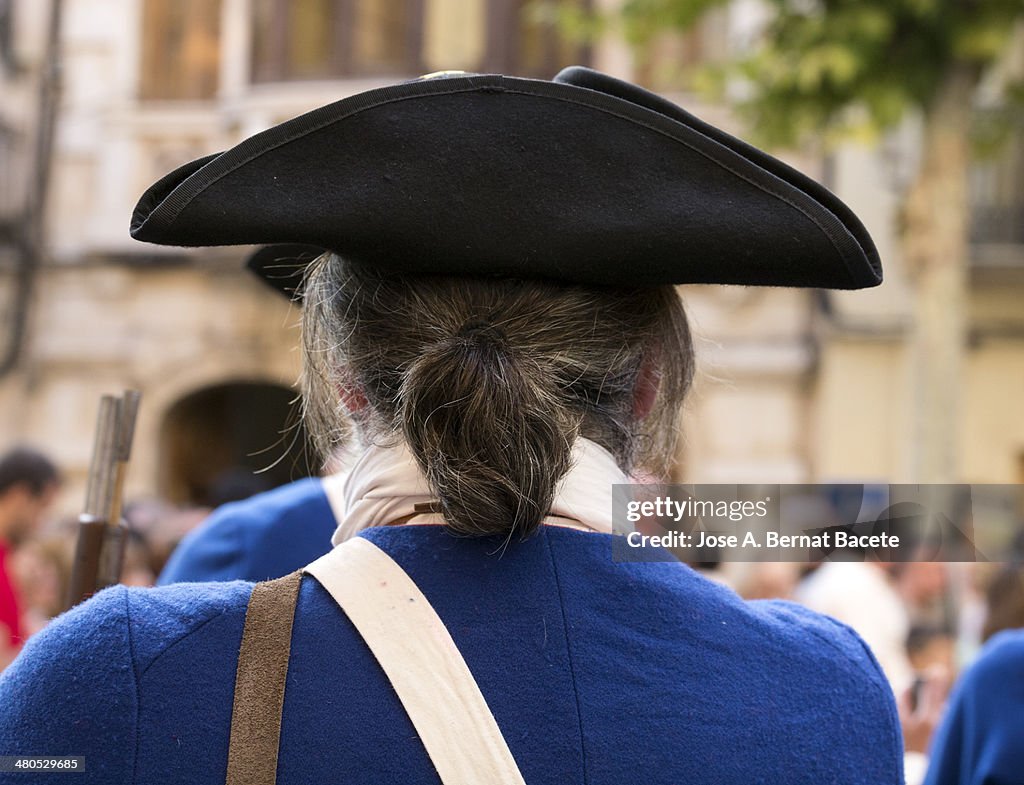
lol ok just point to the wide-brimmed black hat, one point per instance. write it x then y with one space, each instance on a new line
585 179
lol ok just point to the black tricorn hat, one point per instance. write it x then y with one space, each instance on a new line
584 179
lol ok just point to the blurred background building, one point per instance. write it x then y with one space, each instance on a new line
102 97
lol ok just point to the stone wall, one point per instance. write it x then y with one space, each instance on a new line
167 332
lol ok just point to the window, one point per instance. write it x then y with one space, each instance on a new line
180 49
324 39
319 39
525 43
997 203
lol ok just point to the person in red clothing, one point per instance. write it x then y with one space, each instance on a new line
28 485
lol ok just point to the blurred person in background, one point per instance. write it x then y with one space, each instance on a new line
137 569
163 526
929 647
234 484
42 567
29 482
1005 601
981 738
260 538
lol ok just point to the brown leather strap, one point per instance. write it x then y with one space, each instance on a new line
260 681
424 507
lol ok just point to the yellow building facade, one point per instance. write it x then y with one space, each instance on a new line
794 386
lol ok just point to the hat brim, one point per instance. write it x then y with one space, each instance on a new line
587 180
283 267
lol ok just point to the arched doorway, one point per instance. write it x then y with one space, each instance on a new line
228 441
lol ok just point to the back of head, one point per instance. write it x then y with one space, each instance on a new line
27 468
1005 597
491 380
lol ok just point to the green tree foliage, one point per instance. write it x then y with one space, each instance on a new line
823 69
838 66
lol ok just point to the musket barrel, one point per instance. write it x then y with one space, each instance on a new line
96 491
128 413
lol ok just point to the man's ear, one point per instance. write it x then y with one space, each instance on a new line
647 383
352 397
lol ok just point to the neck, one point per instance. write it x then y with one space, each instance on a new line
385 485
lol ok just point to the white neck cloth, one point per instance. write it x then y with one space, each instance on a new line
385 484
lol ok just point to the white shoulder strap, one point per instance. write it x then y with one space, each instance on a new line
420 658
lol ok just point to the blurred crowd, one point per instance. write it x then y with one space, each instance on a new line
924 621
37 546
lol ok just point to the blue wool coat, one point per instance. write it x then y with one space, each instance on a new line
981 738
258 539
597 672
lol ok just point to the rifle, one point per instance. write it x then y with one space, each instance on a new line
99 552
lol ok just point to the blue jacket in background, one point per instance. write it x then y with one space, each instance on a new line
981 738
260 538
597 672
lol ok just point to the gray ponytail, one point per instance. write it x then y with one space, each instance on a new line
490 380
471 384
